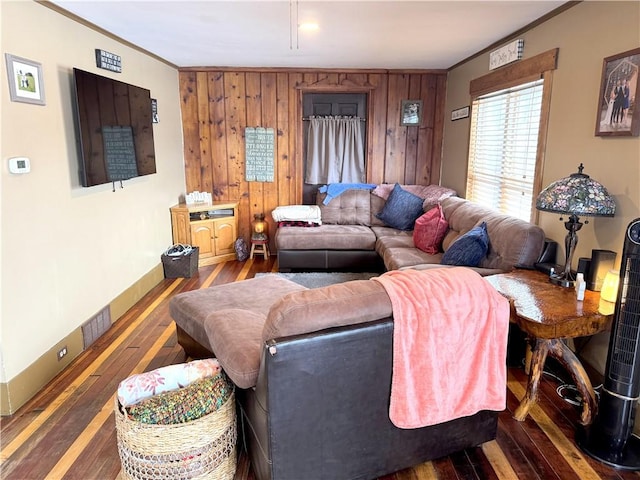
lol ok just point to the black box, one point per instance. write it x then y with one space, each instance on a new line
601 262
177 266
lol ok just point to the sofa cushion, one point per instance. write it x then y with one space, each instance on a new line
429 230
352 207
514 242
469 249
336 305
191 309
395 258
236 338
431 194
402 209
326 237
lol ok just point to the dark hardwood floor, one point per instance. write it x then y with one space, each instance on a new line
67 431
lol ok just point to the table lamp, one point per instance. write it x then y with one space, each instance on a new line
576 195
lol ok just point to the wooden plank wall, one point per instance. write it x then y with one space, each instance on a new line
218 103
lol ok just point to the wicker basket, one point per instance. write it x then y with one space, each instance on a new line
201 449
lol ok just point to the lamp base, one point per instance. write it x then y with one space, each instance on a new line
560 280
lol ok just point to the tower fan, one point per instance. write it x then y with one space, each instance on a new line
609 439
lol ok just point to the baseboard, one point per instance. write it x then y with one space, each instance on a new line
21 388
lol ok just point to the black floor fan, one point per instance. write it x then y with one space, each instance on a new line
609 438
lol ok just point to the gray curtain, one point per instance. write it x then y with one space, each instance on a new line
335 151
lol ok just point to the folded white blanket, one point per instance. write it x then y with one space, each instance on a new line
297 213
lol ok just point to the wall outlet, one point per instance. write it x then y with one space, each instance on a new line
62 353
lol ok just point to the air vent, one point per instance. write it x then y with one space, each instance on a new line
93 328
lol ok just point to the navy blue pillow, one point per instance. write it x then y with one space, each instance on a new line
401 210
469 249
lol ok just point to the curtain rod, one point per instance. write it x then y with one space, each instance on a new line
329 116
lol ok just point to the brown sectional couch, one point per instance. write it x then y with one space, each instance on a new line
352 237
314 366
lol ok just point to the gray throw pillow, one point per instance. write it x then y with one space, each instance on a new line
469 249
401 210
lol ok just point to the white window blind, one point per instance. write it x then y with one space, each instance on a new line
503 149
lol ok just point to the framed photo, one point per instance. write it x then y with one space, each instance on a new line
25 80
411 113
618 109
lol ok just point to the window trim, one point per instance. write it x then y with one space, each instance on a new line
538 67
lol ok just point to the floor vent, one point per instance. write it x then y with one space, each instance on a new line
96 326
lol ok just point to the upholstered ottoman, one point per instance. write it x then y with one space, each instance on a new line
239 308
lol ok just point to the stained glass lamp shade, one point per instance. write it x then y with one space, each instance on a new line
576 195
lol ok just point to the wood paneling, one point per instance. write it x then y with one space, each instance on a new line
217 105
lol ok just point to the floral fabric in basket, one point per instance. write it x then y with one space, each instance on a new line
144 385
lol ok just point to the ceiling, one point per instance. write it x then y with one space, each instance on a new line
350 34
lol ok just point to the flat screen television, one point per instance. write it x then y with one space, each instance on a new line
115 129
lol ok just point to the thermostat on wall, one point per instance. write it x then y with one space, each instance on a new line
19 165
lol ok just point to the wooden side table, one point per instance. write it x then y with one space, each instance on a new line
548 314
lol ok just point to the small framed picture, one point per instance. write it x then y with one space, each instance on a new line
25 80
618 110
411 113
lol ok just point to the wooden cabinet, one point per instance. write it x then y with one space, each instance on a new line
211 227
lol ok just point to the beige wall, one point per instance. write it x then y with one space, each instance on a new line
68 251
585 34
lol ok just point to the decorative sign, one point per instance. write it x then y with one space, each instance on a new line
259 154
154 111
460 113
119 153
506 54
108 61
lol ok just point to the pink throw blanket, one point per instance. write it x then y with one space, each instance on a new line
449 345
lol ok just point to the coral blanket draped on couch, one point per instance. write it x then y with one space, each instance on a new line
449 345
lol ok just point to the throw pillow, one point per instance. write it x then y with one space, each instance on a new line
429 230
401 210
469 249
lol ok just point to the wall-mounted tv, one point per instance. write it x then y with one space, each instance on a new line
114 128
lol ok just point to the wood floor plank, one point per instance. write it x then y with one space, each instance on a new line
498 460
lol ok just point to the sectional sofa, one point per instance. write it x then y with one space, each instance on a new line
314 367
353 237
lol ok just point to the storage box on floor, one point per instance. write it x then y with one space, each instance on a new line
152 445
180 261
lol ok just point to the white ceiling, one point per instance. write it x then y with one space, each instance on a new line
387 34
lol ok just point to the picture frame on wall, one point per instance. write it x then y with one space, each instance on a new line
618 109
411 113
25 80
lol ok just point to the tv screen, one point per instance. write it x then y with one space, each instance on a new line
115 129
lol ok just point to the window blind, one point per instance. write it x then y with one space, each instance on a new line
503 148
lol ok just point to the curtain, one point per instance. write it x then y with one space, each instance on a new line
335 151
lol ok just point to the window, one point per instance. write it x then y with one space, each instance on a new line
509 117
503 148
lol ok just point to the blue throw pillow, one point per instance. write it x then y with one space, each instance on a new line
469 249
401 210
